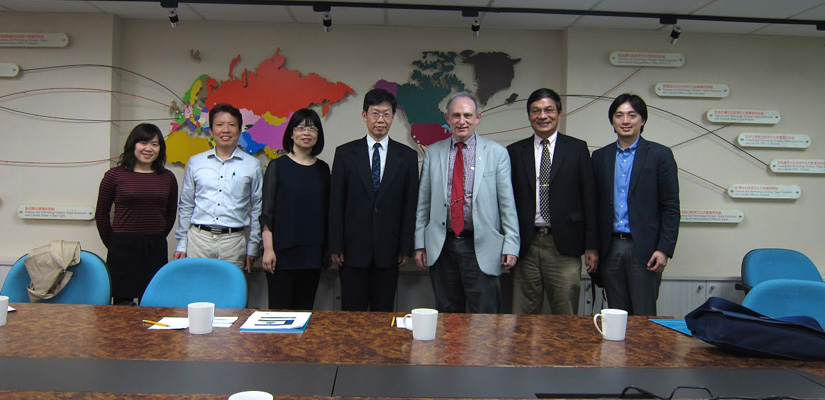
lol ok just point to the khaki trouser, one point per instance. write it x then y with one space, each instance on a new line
544 269
225 246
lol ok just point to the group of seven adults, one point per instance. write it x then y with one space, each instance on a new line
478 209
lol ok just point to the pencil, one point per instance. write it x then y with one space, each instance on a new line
393 322
146 321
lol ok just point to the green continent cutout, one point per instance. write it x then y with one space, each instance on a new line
429 84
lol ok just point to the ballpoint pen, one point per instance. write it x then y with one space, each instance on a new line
146 321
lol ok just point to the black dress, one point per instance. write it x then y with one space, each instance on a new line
295 207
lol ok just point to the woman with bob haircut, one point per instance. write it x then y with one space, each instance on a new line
144 194
294 215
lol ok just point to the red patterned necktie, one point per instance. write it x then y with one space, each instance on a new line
457 194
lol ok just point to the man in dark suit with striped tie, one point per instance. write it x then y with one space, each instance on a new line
373 195
555 192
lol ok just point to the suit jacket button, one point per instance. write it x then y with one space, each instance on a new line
376 209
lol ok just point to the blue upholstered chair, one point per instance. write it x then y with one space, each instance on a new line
89 283
761 265
190 280
788 297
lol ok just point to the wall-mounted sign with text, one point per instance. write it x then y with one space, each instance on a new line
672 89
712 216
761 191
55 212
779 140
798 166
19 39
728 116
637 59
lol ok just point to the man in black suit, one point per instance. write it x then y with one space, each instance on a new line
555 193
638 192
373 195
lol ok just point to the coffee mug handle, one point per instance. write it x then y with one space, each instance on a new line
595 322
408 321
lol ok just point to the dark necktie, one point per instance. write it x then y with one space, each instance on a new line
376 166
457 193
544 181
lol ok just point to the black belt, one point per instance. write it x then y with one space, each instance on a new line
543 230
465 234
622 235
219 229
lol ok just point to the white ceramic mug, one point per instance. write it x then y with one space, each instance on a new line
614 323
251 395
4 309
422 322
200 317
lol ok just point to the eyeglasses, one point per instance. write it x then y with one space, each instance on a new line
548 111
302 129
377 115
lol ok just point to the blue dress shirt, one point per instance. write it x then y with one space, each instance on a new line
621 186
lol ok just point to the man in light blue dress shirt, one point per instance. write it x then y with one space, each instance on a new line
220 201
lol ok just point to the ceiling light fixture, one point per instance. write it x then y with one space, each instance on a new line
674 34
327 21
475 27
172 5
173 17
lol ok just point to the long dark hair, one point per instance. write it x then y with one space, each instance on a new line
143 133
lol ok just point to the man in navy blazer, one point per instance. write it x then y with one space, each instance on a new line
638 191
373 194
466 232
555 193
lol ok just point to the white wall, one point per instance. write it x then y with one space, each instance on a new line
763 72
42 140
782 73
357 56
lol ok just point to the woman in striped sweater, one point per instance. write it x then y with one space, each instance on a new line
144 194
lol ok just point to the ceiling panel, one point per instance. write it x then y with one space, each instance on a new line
150 9
252 13
718 27
618 23
527 21
465 3
790 30
551 4
48 6
141 10
652 6
817 13
758 8
442 19
340 15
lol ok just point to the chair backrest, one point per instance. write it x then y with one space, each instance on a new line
190 280
761 265
89 283
788 297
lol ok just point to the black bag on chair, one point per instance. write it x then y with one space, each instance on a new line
741 330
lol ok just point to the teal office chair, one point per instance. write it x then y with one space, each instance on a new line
787 298
89 283
190 280
760 265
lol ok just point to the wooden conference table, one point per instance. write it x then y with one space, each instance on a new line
105 352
